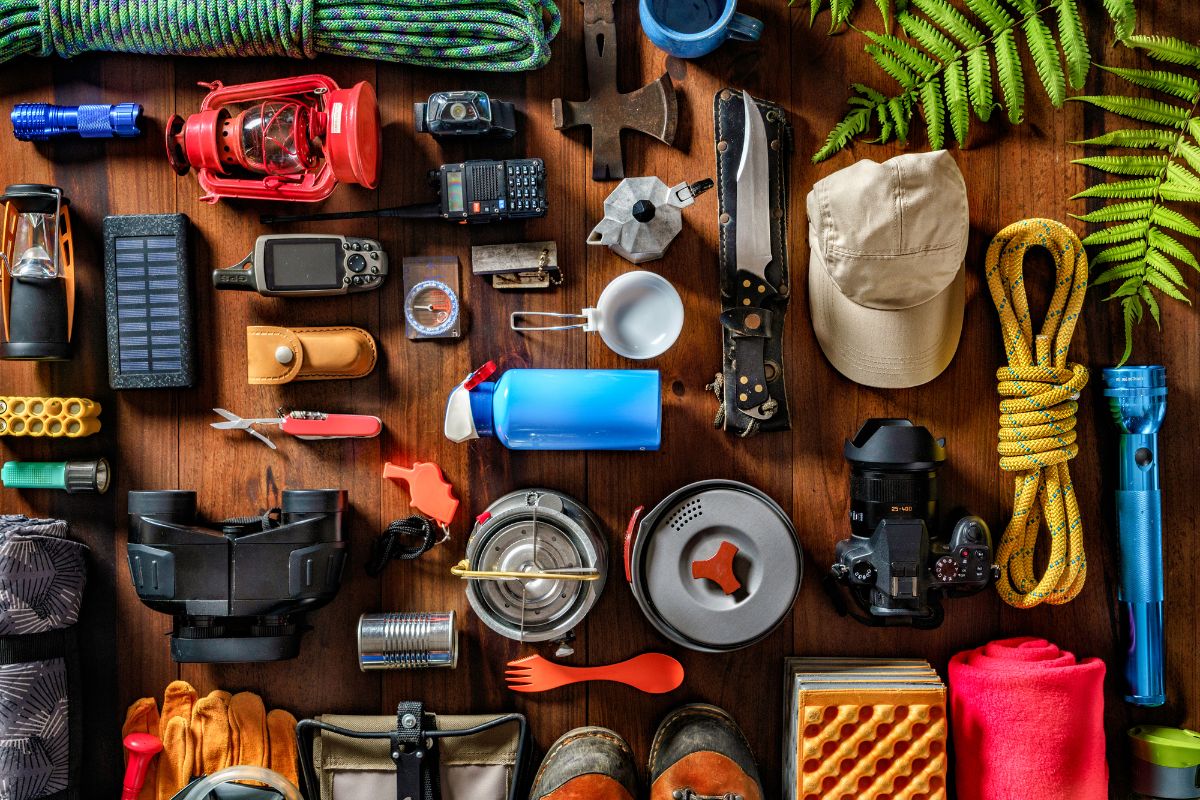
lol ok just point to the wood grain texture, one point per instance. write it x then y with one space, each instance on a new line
162 439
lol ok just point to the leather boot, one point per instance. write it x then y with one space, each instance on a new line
699 753
587 764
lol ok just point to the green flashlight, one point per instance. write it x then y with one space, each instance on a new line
69 476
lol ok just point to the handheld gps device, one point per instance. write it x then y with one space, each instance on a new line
307 265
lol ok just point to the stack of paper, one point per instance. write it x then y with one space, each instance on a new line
863 728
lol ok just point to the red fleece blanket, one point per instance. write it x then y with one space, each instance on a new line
1028 723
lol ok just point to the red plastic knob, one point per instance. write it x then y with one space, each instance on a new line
719 568
142 749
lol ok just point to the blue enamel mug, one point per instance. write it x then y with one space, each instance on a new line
693 28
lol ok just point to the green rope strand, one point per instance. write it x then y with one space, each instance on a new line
492 35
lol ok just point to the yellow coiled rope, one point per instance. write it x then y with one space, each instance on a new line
1037 414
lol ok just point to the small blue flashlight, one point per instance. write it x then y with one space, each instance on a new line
1137 398
40 122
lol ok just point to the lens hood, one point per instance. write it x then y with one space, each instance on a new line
895 444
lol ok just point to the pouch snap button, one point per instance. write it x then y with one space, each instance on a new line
284 354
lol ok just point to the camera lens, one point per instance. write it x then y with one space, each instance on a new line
893 474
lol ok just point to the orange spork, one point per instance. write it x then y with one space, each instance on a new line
654 673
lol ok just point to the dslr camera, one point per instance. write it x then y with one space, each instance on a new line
895 565
238 590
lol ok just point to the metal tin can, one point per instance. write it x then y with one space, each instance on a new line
407 641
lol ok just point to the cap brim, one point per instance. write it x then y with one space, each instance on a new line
885 348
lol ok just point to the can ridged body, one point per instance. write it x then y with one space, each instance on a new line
407 640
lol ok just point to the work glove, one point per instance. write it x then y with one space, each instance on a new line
202 735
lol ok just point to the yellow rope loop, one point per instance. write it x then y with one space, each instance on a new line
1040 391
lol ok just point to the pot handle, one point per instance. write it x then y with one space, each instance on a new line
630 536
514 323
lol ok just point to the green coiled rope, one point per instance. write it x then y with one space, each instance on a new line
493 35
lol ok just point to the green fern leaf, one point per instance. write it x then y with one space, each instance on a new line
1120 272
952 21
1183 177
935 112
874 95
1143 109
886 127
839 13
1138 209
958 107
854 124
1131 313
885 9
814 8
979 82
994 15
1132 137
1163 266
1120 252
1126 165
1152 304
901 112
913 58
929 37
1117 233
1124 17
1135 189
1129 288
1011 78
1171 83
1172 247
892 66
1167 48
1177 192
1074 43
1189 152
1166 287
1174 221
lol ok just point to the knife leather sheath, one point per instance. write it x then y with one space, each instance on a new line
750 386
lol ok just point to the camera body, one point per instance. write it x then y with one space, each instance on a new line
895 564
237 590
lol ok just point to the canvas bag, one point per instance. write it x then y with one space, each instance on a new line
472 757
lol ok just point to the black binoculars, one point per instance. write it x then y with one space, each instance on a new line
237 590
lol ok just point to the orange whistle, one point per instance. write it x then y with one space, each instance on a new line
430 492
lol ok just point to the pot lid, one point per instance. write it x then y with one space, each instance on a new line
717 565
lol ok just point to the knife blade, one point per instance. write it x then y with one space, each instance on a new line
753 243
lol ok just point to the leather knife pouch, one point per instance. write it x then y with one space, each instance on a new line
744 326
469 766
276 355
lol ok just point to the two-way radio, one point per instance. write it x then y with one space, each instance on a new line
470 191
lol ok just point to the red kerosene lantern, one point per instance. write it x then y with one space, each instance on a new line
287 139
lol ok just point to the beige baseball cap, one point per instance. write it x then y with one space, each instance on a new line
886 274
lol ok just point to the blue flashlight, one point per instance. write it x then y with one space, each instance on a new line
1137 398
40 122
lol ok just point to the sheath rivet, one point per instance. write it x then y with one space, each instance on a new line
746 302
284 354
743 397
722 146
753 321
724 220
743 380
758 388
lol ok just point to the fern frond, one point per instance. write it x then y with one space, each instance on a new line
979 83
1046 60
900 109
892 66
1074 43
1163 266
1138 209
1120 252
814 8
1126 165
1010 75
1124 17
885 10
1172 247
929 37
855 123
1117 233
1172 83
1120 272
1152 304
992 13
1121 190
1173 220
911 57
1183 177
1131 313
1189 152
1167 48
958 107
1165 286
1143 109
1132 137
952 21
935 113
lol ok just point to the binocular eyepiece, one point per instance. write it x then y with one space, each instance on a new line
237 590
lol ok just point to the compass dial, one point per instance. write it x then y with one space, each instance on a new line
431 308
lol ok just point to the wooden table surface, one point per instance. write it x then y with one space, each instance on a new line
162 439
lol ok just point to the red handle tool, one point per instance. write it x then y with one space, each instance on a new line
142 749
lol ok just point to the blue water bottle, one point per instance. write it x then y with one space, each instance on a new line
559 409
1137 398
